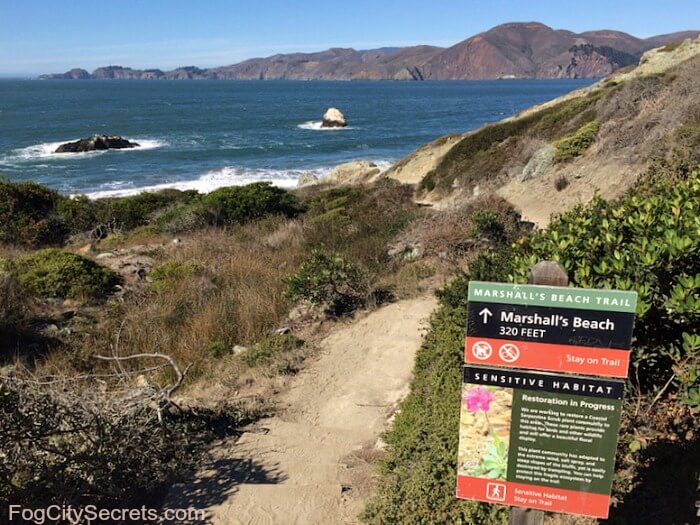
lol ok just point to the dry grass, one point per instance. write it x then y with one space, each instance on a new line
236 298
452 235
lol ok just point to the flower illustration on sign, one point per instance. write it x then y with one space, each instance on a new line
494 463
478 398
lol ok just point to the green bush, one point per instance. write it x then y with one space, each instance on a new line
359 222
576 144
328 280
272 351
78 213
182 218
28 215
646 243
170 274
240 204
487 224
57 273
127 213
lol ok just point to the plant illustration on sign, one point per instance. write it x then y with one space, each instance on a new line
486 413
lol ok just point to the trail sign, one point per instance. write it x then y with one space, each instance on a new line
538 440
551 328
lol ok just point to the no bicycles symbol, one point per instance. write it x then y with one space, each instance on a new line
509 353
482 350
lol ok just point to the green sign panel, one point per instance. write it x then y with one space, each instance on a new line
553 296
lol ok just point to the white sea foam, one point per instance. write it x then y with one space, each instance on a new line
315 125
47 150
229 176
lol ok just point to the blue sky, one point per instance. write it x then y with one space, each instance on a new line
41 36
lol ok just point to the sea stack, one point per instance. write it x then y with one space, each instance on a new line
95 143
333 118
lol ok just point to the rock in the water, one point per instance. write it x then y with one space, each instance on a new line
96 143
306 179
333 118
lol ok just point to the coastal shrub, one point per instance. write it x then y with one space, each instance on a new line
78 213
327 279
56 273
127 213
359 222
646 242
240 204
179 219
273 351
28 215
487 224
170 274
453 235
561 182
13 301
575 145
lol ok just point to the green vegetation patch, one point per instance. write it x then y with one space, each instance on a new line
275 352
172 273
358 222
240 204
647 241
575 145
28 215
328 280
127 213
229 206
56 273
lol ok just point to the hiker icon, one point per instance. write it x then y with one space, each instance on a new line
496 491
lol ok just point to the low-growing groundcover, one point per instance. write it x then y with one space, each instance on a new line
56 273
648 241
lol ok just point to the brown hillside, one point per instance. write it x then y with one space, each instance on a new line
596 140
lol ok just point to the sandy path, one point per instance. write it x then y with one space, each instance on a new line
305 465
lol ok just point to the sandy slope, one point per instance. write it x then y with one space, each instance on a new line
308 463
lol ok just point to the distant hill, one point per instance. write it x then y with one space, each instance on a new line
515 50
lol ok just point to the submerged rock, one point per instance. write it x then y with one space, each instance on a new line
96 143
333 118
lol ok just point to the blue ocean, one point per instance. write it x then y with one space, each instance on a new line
207 134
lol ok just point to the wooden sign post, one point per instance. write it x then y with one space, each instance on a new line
549 274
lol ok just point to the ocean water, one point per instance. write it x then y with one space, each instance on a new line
207 134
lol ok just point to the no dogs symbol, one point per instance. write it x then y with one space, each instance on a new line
481 350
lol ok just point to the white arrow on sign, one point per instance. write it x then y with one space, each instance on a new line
486 313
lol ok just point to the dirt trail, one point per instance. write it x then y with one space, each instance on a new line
308 464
